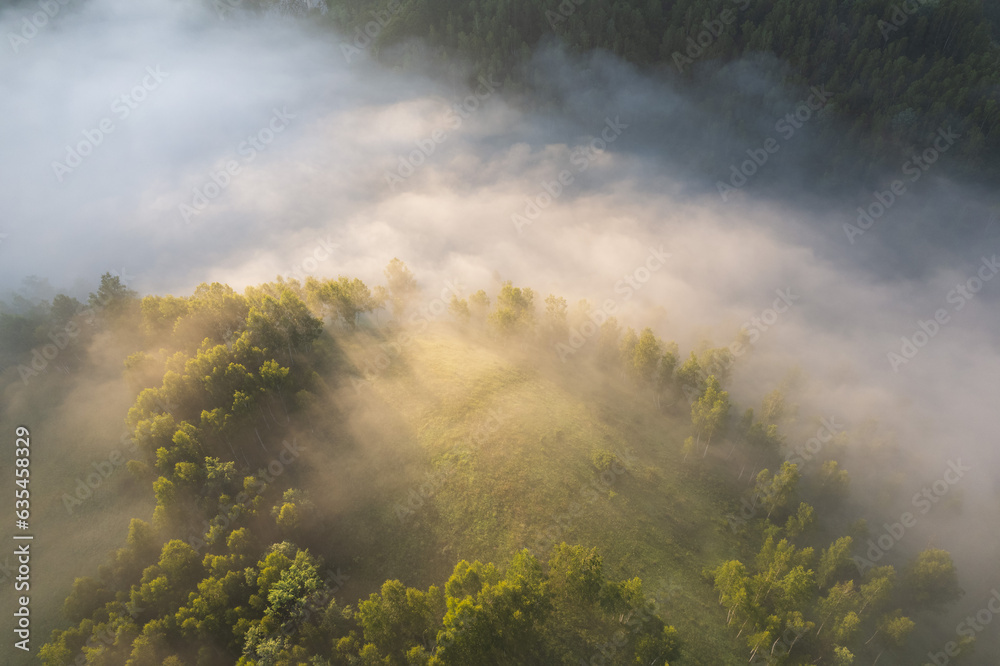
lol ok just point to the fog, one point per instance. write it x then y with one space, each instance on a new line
331 192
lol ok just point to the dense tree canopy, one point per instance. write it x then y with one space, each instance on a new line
225 571
899 71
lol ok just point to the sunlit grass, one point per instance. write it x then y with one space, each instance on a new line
518 441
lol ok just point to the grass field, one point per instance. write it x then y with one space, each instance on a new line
489 451
503 448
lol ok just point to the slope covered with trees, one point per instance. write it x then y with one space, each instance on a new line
899 72
311 446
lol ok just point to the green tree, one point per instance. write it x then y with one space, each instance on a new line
398 618
731 582
514 311
774 491
710 413
645 356
556 328
834 482
113 298
931 580
479 305
626 350
459 309
772 408
664 375
835 560
689 378
840 600
494 619
401 284
800 522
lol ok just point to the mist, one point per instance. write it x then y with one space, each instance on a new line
234 148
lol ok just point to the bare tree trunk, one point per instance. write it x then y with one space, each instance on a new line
271 412
263 415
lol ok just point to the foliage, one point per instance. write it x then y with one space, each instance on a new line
897 77
229 570
514 311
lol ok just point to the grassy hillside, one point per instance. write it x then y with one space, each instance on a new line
294 458
506 447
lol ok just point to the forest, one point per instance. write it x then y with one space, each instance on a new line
575 426
900 71
240 560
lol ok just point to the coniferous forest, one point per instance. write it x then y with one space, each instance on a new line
898 70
